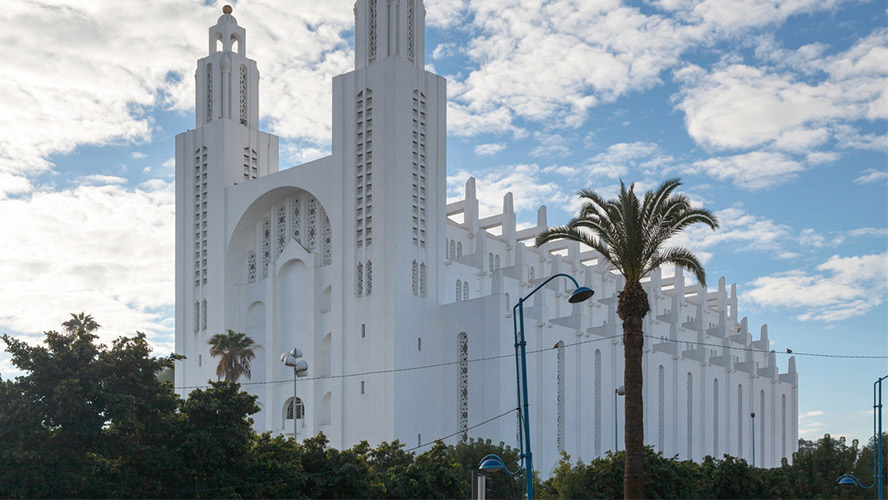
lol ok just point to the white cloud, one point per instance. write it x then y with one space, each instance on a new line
738 229
621 158
755 170
872 175
445 13
120 60
489 149
104 249
741 106
523 181
840 288
550 145
138 155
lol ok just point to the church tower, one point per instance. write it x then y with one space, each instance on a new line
389 122
225 148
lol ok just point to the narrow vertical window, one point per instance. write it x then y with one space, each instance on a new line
466 290
597 389
251 267
203 315
496 262
362 387
661 403
311 215
410 30
422 279
531 273
762 433
715 418
266 246
463 389
281 228
783 426
559 379
196 317
690 411
458 290
369 278
209 92
490 262
372 31
243 94
326 239
296 219
452 252
415 278
359 279
740 421
459 249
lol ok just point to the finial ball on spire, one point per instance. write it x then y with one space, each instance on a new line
226 9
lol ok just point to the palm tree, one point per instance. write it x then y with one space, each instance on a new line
630 234
235 350
82 323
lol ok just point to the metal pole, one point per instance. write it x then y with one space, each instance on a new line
528 457
616 434
753 438
879 450
295 406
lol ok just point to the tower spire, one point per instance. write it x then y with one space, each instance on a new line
385 28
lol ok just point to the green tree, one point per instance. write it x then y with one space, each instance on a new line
500 485
81 323
235 352
631 235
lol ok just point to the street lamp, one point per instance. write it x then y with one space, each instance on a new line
579 294
488 463
619 391
300 369
877 443
753 437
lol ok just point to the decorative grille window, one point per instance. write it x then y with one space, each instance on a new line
209 92
311 209
560 395
266 246
251 267
372 50
463 389
359 278
243 94
465 290
281 220
422 279
296 219
369 278
203 315
415 278
458 290
327 238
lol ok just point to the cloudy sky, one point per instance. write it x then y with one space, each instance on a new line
774 113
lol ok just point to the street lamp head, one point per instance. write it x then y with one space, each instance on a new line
621 391
845 480
580 294
752 414
491 463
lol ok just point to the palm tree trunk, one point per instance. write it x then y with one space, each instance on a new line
633 305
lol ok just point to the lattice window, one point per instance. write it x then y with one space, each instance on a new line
196 317
597 395
496 262
311 215
661 410
266 246
531 274
203 315
209 92
459 290
463 388
459 249
560 395
452 253
327 238
490 262
281 221
369 278
411 28
715 418
243 94
296 219
372 50
415 278
422 279
359 279
251 267
465 290
690 422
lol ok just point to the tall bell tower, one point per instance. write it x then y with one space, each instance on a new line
225 148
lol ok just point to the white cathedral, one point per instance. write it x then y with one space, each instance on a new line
402 303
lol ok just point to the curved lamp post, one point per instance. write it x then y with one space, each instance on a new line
848 479
580 294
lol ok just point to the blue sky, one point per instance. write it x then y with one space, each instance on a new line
773 113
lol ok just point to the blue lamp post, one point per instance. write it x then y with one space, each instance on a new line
580 294
849 479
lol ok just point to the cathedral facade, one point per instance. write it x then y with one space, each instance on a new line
402 303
